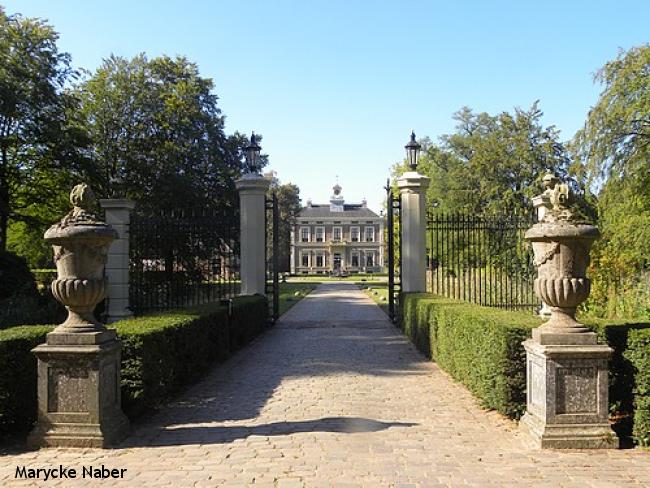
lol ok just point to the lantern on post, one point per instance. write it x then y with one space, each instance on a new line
253 154
412 152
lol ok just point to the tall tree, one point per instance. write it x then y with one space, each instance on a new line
615 140
614 148
39 136
158 134
288 196
492 162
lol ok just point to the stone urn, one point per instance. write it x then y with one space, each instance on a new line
79 368
566 369
80 242
561 244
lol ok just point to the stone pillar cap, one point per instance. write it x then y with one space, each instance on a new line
252 181
412 179
117 203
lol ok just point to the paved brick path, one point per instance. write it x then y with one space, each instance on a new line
334 396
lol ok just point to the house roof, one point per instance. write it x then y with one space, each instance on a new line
349 210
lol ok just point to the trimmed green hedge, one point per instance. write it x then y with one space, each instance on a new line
481 348
478 346
638 353
18 378
160 354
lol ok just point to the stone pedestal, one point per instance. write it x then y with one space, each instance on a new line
79 401
412 187
567 397
252 196
118 215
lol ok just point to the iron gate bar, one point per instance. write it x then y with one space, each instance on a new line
272 288
482 259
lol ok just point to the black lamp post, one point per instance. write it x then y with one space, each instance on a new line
412 152
253 154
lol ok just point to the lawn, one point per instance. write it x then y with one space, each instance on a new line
378 291
292 293
325 278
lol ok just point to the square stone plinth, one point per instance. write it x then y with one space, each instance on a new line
567 396
79 401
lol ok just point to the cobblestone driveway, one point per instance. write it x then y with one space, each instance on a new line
333 396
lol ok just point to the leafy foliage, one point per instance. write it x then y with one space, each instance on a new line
614 151
40 139
288 196
158 136
492 162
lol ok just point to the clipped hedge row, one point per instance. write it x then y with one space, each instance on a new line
160 354
18 378
478 346
638 353
481 348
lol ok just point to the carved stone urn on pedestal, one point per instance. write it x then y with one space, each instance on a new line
567 374
79 402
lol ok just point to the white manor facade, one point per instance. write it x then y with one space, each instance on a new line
337 238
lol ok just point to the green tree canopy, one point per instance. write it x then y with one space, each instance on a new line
492 162
40 139
158 135
614 149
615 140
288 205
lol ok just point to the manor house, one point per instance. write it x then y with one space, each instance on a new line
337 238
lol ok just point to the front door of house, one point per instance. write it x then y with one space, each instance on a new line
337 260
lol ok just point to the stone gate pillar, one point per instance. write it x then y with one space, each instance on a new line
252 197
118 216
412 187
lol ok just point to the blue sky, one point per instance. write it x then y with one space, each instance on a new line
336 86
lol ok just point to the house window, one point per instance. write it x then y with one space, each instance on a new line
337 234
355 259
369 234
354 234
305 259
320 234
370 259
320 260
304 234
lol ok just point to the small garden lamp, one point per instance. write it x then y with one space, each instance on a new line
253 154
412 152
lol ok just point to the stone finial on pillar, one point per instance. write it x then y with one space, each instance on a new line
252 197
118 215
412 187
567 374
79 403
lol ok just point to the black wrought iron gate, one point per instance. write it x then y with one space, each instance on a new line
271 248
393 205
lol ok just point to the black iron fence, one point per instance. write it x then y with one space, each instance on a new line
182 258
483 260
